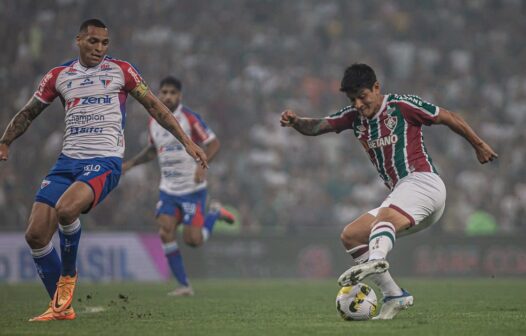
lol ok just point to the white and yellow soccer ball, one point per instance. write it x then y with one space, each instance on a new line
356 303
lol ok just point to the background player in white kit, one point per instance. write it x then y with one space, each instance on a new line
183 182
93 90
390 129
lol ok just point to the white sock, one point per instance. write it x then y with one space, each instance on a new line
381 240
386 284
205 233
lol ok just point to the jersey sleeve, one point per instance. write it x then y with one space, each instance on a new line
343 119
132 77
417 111
201 133
47 90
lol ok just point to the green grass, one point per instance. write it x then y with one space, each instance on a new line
269 307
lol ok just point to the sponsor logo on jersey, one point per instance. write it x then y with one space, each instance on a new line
385 141
85 130
105 67
71 71
391 122
135 76
69 84
44 184
44 81
105 80
87 81
103 100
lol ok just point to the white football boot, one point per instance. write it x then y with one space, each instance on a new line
392 305
182 291
357 273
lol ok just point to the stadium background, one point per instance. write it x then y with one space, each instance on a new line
242 62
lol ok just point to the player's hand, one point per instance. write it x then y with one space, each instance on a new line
200 174
485 153
4 152
198 154
288 118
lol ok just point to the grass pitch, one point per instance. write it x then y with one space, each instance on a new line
268 307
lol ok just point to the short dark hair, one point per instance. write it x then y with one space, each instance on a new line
170 80
91 22
358 76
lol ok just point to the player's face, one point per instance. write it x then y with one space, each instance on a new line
170 96
93 45
366 101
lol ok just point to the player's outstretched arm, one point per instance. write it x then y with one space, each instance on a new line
306 126
456 123
147 154
162 115
19 125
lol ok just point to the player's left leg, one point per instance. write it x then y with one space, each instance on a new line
355 238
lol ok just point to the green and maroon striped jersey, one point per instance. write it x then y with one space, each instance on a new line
393 137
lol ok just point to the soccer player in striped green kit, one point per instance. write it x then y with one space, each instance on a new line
389 126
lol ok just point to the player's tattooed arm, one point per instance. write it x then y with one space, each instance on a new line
147 154
22 120
458 125
164 117
19 124
306 126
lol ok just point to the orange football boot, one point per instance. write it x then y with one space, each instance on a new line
64 293
50 315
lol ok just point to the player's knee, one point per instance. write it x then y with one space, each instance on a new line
36 240
165 235
66 213
193 241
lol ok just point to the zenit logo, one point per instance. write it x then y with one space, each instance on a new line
104 100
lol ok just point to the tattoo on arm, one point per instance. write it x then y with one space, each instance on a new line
147 154
22 120
162 115
312 126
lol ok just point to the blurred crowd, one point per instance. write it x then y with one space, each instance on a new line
243 61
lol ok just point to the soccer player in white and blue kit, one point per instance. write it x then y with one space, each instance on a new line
93 91
183 187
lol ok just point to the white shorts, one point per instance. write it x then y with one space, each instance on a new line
421 197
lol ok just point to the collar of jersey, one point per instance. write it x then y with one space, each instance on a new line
178 110
382 107
85 69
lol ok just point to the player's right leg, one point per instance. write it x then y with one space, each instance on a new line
42 226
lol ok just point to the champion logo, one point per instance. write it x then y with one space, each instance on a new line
105 67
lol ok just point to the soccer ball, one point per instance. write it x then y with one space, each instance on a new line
356 303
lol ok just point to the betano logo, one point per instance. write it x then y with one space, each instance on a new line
385 141
104 100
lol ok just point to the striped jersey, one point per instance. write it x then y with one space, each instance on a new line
393 138
177 167
94 101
